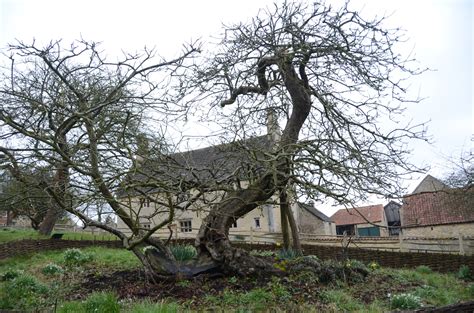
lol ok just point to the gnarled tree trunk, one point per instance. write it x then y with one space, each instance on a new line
213 237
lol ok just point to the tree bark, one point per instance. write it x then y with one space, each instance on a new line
213 237
284 224
50 219
61 182
284 205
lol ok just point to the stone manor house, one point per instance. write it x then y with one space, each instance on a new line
217 163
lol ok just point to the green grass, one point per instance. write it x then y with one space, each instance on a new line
10 234
434 289
340 300
101 258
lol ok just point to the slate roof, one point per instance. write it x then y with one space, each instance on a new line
371 213
311 209
438 208
212 164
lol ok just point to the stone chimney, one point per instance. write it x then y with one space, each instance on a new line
273 129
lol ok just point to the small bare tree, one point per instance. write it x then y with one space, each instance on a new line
82 116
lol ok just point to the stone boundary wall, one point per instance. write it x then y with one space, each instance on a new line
438 262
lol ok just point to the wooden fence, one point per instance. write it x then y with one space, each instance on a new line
462 245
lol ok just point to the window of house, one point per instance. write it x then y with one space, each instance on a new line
186 226
145 202
234 224
147 226
257 222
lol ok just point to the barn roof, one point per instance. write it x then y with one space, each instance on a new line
437 208
360 215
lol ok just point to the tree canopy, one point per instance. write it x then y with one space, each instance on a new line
331 78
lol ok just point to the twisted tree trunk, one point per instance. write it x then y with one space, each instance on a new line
213 238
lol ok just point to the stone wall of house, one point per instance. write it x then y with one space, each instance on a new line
440 231
268 217
310 224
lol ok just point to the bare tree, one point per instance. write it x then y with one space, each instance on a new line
332 77
83 116
462 172
24 198
329 75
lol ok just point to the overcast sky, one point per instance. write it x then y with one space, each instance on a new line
440 31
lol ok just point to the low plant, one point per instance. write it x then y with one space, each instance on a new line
71 307
183 252
355 264
278 290
160 307
470 290
23 293
183 283
465 273
102 302
405 301
52 269
341 300
287 254
374 266
423 269
75 257
10 274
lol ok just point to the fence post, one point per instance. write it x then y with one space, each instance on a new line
461 245
400 237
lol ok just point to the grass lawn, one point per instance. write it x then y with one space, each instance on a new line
98 279
11 234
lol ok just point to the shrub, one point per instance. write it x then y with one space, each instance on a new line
75 257
287 254
102 302
470 290
10 274
278 290
374 266
465 273
423 269
22 293
356 265
183 252
52 269
406 301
